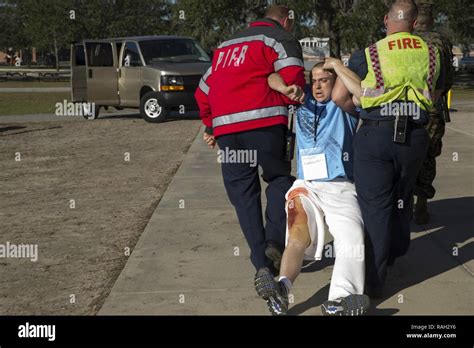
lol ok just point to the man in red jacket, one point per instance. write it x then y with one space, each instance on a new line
249 120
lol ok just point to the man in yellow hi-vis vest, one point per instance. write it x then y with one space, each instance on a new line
401 80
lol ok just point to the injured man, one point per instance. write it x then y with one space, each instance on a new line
323 198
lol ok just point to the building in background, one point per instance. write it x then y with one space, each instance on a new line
315 49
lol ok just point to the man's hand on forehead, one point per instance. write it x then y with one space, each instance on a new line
331 63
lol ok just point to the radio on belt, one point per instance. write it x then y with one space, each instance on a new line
400 129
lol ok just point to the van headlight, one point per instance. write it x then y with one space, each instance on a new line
172 83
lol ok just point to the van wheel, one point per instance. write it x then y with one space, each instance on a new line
151 109
88 113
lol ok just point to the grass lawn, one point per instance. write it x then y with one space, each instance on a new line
462 94
45 103
30 103
33 84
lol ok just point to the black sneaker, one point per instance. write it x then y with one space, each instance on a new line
350 305
275 294
274 253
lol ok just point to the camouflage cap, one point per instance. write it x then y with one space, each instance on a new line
425 5
425 14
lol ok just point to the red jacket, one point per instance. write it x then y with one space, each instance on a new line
234 96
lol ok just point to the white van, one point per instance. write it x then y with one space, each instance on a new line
156 74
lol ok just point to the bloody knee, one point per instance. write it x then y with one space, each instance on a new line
297 221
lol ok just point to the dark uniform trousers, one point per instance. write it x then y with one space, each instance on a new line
424 182
242 184
385 173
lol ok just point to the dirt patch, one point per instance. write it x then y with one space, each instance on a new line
82 192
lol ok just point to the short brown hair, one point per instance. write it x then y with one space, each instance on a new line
277 12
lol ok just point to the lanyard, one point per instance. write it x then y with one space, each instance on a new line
317 117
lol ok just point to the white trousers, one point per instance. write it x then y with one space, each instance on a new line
335 203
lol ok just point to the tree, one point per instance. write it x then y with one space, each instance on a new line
12 17
363 24
305 17
213 22
455 18
350 24
138 18
198 19
47 23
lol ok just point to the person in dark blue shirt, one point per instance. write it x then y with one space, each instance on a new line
390 147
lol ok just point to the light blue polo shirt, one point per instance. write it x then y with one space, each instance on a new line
325 128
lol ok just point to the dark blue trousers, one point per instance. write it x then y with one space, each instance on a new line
385 173
242 184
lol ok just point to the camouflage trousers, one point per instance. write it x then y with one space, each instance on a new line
424 182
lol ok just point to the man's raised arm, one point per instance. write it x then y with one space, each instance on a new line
293 92
350 79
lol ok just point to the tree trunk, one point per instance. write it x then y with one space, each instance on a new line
337 44
56 51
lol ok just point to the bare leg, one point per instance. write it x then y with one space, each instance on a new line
298 240
292 260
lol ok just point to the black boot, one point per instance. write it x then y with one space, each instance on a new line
422 216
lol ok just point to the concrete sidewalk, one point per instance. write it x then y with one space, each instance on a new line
192 258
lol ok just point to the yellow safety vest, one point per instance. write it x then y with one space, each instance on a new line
401 67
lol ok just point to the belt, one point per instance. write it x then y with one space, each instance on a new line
389 124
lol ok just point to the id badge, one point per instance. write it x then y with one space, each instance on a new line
314 166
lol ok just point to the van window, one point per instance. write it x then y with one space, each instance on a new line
173 50
131 55
79 56
99 54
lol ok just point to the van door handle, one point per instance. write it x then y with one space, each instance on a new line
90 73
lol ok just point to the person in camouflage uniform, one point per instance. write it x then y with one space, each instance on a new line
424 189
